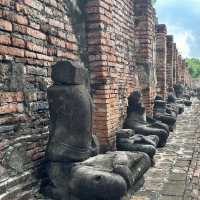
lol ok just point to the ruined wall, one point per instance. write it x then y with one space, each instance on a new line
175 53
145 50
33 35
179 69
161 59
110 27
170 61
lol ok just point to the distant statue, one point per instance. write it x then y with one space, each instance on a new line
165 114
127 140
183 96
136 120
72 171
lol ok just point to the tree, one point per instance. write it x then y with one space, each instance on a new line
194 66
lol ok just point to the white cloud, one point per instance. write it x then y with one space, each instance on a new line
183 38
182 18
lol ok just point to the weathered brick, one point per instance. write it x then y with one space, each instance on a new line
21 19
36 34
8 108
33 47
34 4
57 42
20 28
5 39
5 2
5 50
56 23
18 42
9 97
30 54
44 57
5 25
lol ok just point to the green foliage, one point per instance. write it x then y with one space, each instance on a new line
194 66
153 2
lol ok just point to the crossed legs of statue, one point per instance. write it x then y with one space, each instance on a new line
103 177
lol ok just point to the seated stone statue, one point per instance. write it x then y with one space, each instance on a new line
127 140
136 120
182 95
173 106
165 114
73 174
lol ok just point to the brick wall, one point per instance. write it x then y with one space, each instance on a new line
145 50
33 35
161 59
170 61
175 53
179 68
111 52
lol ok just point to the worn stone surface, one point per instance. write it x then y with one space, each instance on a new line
176 173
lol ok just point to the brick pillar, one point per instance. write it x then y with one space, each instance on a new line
169 61
145 50
110 32
183 72
161 59
174 63
179 69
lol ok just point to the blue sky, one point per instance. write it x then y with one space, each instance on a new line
182 18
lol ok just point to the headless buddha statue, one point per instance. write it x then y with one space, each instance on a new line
136 120
73 172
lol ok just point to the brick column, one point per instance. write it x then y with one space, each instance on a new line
175 52
161 57
110 31
169 61
145 50
183 74
179 69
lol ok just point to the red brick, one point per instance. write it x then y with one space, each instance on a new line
9 97
30 54
5 39
18 42
5 2
34 25
5 25
21 8
44 57
57 42
36 34
71 46
51 52
56 23
33 47
68 55
20 28
21 19
5 50
34 4
8 108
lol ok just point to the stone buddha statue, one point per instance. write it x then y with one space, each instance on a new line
136 120
74 169
182 95
165 114
127 140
